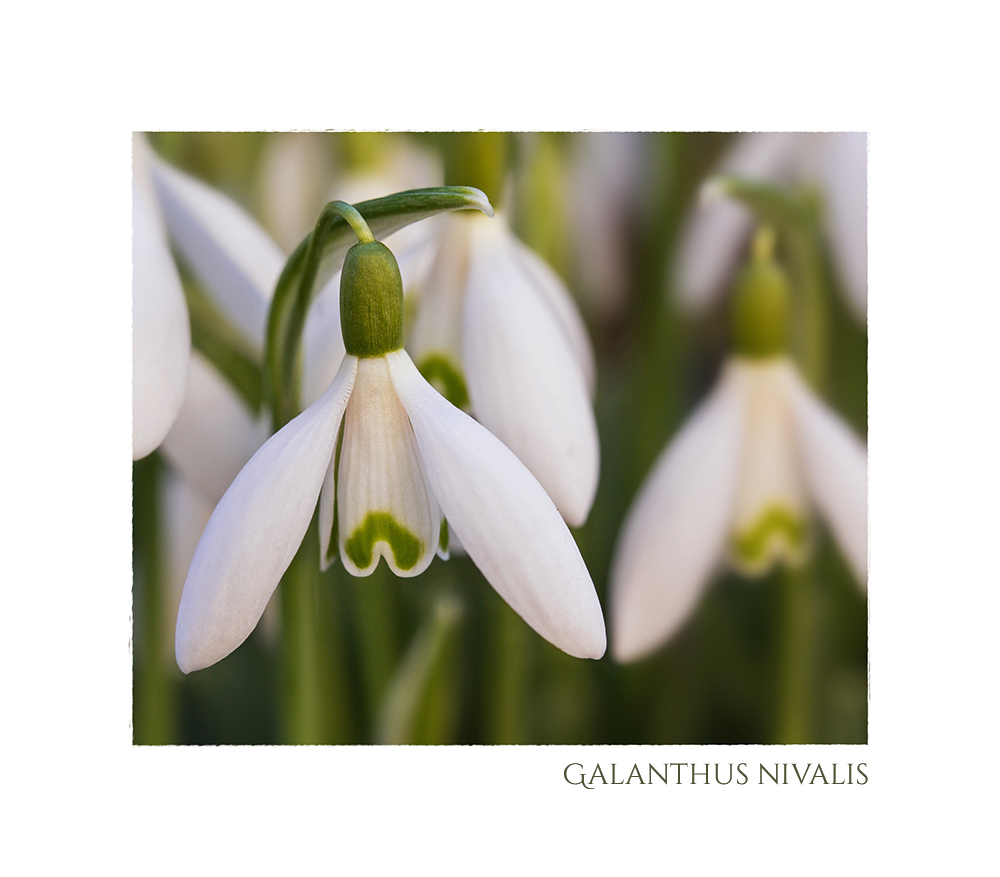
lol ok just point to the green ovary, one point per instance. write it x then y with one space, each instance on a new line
441 373
383 527
775 524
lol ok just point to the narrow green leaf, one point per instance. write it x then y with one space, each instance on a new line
223 345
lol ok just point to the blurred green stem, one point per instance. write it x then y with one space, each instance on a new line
313 703
508 708
155 694
377 634
799 629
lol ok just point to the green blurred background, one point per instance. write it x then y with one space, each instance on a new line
440 658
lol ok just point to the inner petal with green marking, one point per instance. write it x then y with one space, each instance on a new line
384 505
778 534
445 376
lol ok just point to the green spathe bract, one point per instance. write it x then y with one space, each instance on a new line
383 527
371 301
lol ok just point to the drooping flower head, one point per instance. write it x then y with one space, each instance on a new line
411 467
739 482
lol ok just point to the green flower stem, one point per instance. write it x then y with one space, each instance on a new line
510 692
314 707
796 218
376 623
155 688
798 657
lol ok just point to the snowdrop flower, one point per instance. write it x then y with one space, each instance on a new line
498 333
411 468
717 230
739 481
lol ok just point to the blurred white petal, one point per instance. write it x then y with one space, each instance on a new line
503 517
835 461
294 174
607 171
161 333
771 511
215 433
384 506
675 533
255 531
231 255
524 378
844 172
554 291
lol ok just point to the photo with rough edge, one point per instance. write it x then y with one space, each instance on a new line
499 438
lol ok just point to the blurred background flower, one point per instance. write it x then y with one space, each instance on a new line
441 658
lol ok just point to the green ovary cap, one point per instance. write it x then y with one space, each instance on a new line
760 304
383 527
371 301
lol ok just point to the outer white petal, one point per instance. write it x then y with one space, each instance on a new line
231 255
524 378
845 176
322 342
381 482
215 433
715 232
504 519
675 532
161 333
255 531
554 291
836 468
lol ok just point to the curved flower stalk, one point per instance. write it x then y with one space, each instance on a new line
409 461
497 331
717 230
739 482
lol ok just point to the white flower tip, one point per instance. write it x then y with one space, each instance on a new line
478 200
712 190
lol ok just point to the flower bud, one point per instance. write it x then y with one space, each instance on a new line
371 301
760 303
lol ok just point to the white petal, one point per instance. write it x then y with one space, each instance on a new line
255 531
554 291
231 255
215 433
525 381
835 461
384 505
503 517
161 333
770 518
715 233
322 342
675 532
845 176
437 329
